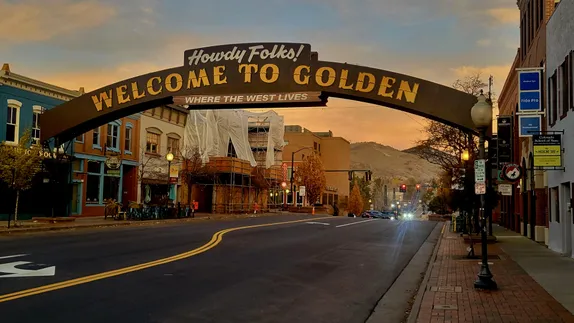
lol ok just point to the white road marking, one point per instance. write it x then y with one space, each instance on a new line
353 223
12 271
317 223
14 256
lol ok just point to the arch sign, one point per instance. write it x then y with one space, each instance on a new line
256 75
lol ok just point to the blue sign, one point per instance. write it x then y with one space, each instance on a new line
529 125
530 91
529 80
530 101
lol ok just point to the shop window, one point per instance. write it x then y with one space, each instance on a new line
112 139
152 143
96 138
128 139
94 167
111 187
93 189
13 121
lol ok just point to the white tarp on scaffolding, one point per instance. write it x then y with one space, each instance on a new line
212 130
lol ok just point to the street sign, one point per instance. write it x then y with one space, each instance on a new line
530 90
301 190
479 188
480 171
547 150
512 172
505 189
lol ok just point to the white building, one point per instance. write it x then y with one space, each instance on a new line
560 116
161 133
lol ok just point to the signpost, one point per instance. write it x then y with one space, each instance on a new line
547 150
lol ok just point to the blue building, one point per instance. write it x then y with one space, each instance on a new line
22 101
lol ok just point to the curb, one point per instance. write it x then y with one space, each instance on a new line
8 232
415 309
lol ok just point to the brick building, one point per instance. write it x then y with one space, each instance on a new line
526 210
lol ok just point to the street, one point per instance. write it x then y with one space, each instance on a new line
290 268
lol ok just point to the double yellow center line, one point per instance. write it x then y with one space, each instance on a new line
215 240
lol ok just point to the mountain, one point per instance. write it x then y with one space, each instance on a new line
387 161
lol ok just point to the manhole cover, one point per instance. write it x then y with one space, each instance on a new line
445 307
446 289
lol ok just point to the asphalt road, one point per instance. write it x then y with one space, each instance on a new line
330 270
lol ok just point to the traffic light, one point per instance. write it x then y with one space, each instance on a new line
418 187
403 188
368 175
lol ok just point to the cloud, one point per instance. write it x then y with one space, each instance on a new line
485 42
505 15
35 20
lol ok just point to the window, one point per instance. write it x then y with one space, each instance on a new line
152 143
93 182
112 140
36 127
173 144
565 88
13 121
96 137
80 138
553 98
128 139
111 187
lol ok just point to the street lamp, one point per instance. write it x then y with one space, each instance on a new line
293 169
169 158
481 115
465 156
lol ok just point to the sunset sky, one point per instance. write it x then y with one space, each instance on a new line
75 43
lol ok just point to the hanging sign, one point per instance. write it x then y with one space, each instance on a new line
529 125
547 150
511 172
530 90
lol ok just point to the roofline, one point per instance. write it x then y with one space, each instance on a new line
7 75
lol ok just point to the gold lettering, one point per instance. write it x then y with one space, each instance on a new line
343 82
331 76
178 82
365 82
387 83
298 76
248 70
135 91
197 81
218 72
274 73
121 93
150 88
410 93
103 97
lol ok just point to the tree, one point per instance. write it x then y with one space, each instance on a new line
19 164
258 180
355 205
364 188
194 169
312 176
148 168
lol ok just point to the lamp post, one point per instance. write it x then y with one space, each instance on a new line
169 158
481 114
293 170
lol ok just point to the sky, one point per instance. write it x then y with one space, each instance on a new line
90 44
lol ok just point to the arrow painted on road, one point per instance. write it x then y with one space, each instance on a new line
11 270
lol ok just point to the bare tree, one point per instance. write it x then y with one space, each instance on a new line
193 169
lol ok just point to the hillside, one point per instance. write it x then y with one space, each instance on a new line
387 161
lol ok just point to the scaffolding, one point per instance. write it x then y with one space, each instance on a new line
242 147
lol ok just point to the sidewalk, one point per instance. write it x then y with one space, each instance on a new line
449 294
29 226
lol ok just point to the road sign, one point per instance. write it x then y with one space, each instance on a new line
505 189
301 190
511 172
480 188
480 171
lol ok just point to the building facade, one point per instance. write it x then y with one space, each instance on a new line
335 153
526 212
105 165
22 102
161 131
560 116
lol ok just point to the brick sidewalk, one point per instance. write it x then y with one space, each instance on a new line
450 295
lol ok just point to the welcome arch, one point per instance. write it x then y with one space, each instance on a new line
257 74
